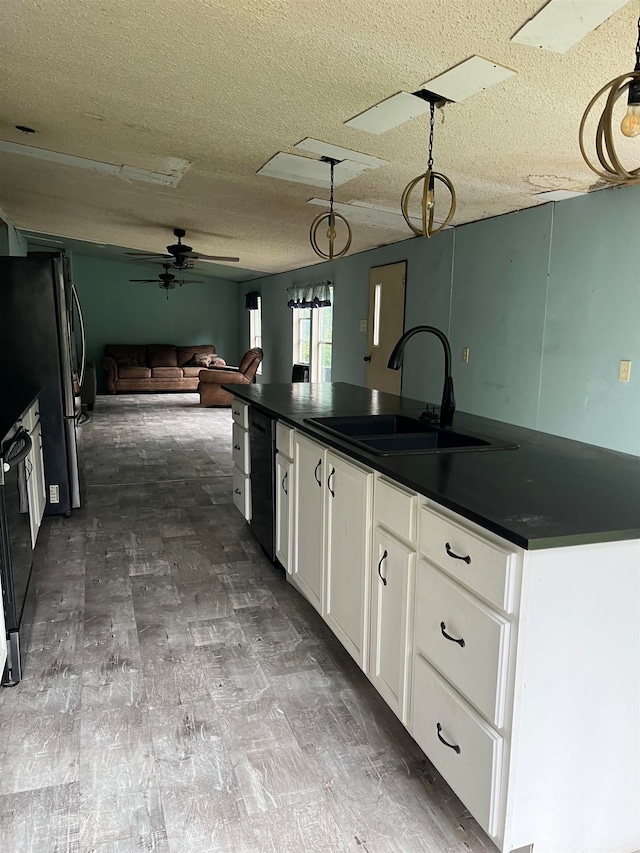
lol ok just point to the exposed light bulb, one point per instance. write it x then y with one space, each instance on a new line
431 196
630 124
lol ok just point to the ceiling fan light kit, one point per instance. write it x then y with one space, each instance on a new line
612 168
330 217
428 180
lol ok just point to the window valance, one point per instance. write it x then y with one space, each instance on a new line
317 295
251 300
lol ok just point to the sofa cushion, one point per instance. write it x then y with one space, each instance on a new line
185 354
134 373
166 373
162 355
127 355
192 371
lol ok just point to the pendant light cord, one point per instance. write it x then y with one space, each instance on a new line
431 124
637 68
331 195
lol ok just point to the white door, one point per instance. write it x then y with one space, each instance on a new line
283 524
392 567
385 324
308 554
348 533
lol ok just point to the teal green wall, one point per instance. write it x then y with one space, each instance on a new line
546 299
117 311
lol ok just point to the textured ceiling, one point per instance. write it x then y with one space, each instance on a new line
225 84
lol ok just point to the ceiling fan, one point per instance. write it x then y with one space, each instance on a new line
166 280
181 254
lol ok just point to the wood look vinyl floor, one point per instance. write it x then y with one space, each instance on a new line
180 696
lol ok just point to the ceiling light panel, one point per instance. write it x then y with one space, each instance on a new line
468 78
389 113
175 167
325 149
558 195
563 23
304 170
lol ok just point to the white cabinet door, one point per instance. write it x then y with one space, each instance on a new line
308 539
348 534
392 579
283 510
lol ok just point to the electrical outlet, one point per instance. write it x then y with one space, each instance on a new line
624 373
465 355
54 494
363 325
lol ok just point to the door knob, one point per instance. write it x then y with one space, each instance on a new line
367 358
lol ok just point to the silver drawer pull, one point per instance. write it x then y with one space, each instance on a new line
235 412
315 473
284 480
453 746
236 447
466 559
460 642
237 491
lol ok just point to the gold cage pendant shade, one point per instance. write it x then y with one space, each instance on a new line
428 199
330 217
611 167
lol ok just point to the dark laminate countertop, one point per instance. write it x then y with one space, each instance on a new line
15 399
549 492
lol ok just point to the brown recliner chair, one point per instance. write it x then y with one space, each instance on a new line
211 380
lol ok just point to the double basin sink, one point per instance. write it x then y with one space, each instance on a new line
387 435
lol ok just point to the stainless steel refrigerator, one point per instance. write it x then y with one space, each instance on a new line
42 345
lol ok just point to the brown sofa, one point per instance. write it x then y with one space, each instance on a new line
211 381
157 367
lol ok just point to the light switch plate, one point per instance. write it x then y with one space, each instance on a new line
624 372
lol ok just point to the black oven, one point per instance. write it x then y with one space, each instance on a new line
16 553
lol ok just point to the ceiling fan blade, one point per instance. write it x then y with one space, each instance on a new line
216 258
145 280
148 255
191 281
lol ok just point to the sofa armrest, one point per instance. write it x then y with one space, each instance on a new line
223 377
111 367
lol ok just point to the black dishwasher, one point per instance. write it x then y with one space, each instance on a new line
262 444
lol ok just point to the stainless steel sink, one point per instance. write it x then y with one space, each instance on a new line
387 435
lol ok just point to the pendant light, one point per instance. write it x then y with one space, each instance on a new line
428 179
330 216
612 168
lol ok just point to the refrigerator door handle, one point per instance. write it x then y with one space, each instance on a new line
76 301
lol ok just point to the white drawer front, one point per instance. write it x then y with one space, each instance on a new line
474 767
31 417
284 440
240 412
484 566
396 509
473 656
242 492
240 448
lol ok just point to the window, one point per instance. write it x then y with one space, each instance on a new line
255 328
312 340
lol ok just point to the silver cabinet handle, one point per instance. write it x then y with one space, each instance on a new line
460 642
453 746
284 480
315 473
333 471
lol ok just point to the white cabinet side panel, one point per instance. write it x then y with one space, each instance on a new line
575 764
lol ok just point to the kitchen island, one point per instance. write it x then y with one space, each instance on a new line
492 597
